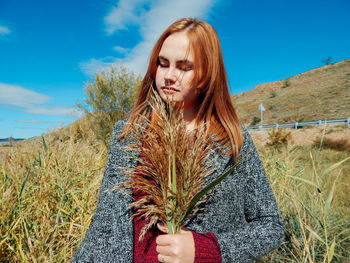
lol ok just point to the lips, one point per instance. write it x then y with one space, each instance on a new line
165 88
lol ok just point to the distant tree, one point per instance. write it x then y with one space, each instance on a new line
327 61
11 140
108 98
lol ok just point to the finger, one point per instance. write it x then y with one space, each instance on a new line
163 240
162 228
164 250
163 259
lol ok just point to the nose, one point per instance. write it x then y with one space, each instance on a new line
170 76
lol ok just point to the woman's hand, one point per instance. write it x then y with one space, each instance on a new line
175 248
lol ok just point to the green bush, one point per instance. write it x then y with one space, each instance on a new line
109 98
255 120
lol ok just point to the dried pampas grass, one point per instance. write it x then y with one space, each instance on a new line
173 165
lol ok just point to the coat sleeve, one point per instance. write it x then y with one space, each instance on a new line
103 240
264 229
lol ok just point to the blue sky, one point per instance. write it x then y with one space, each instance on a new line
50 49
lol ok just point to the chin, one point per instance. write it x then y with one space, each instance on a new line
167 97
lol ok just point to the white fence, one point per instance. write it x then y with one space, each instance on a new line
300 124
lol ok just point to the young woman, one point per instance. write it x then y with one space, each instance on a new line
241 221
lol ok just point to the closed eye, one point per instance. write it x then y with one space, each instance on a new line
163 62
163 65
184 65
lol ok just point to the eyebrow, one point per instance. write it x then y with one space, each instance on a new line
184 61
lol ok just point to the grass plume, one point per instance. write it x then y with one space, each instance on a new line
174 165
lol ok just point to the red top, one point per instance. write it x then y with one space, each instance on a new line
207 249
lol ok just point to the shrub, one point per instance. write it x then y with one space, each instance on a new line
109 98
301 119
279 137
327 61
337 144
255 120
273 94
285 83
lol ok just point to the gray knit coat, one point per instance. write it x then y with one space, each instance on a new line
241 212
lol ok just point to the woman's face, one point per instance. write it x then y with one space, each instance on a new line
175 71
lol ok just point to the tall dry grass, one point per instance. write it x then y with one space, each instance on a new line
49 190
312 189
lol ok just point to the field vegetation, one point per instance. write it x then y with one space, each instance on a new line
49 189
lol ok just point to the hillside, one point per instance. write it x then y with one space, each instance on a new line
321 93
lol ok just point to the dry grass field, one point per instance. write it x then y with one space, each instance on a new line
49 188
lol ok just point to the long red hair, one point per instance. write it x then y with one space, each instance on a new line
210 80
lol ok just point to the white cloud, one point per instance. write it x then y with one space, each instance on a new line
151 18
121 50
4 30
127 12
53 111
93 66
30 101
20 97
33 121
156 20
